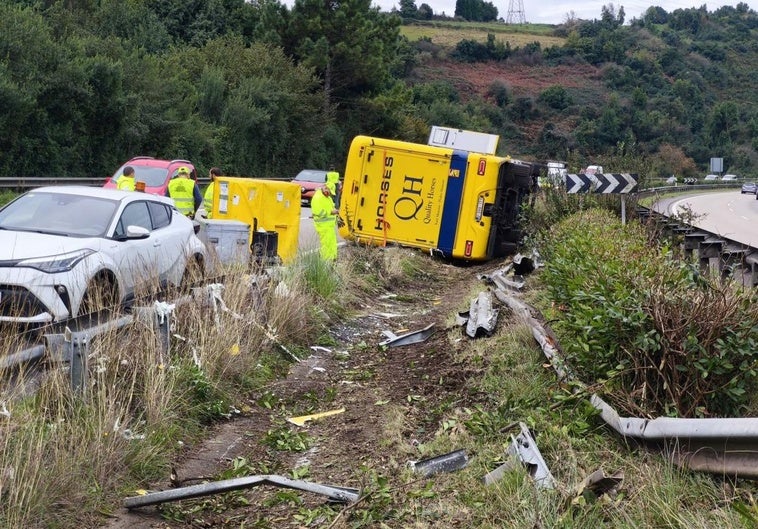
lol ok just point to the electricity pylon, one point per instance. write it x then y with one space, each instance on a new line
516 13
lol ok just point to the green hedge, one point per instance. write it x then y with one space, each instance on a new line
661 336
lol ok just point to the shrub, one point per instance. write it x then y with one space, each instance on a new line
663 336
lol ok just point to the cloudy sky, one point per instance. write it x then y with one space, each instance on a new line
555 11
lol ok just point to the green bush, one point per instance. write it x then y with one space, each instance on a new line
662 336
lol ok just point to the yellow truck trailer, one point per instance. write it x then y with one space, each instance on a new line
458 204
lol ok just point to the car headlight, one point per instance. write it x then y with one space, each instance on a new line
57 263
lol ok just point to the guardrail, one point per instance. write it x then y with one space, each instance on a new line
32 182
729 256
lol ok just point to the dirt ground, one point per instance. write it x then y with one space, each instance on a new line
369 381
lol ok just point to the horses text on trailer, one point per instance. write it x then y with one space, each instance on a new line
455 203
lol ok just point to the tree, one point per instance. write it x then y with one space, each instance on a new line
674 161
408 9
475 10
350 45
555 97
425 12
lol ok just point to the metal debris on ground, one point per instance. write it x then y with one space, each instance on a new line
444 463
547 343
500 280
300 421
597 484
522 265
404 339
335 493
523 449
481 318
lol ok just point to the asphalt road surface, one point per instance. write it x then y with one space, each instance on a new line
728 213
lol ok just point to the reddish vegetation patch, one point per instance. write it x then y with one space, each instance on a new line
476 78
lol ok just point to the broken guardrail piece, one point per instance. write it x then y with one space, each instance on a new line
444 463
719 446
481 318
404 339
523 448
598 484
339 494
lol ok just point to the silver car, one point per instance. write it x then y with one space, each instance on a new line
64 249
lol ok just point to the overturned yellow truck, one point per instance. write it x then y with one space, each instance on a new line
457 204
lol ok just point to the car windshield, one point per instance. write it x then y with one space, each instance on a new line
311 175
59 213
152 176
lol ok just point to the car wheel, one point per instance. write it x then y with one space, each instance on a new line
101 296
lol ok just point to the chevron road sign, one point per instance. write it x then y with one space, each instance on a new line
601 183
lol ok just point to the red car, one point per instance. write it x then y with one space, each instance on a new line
154 172
309 180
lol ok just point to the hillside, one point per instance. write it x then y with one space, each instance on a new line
681 80
264 90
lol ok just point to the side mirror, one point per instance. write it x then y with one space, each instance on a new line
137 232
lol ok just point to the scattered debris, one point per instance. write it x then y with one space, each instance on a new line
300 421
404 339
481 318
444 463
522 265
335 493
499 279
596 485
524 449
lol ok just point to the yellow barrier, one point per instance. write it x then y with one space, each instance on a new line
269 205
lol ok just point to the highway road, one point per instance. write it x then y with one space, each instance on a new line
727 213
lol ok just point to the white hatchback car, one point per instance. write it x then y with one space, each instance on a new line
62 247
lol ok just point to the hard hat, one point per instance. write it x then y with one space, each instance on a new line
184 170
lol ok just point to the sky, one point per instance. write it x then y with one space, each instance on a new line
555 11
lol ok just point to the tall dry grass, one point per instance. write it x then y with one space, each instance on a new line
68 456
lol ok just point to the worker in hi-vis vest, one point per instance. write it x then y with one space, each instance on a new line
183 190
126 182
325 220
333 177
214 173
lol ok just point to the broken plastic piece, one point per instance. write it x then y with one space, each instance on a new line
444 463
300 421
408 338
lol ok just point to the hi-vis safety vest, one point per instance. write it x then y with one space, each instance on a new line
321 209
181 190
125 183
208 198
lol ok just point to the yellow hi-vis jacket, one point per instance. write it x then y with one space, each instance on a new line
325 223
208 198
125 183
182 191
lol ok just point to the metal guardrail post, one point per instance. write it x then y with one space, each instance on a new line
78 353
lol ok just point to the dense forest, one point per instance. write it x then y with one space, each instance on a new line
265 90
